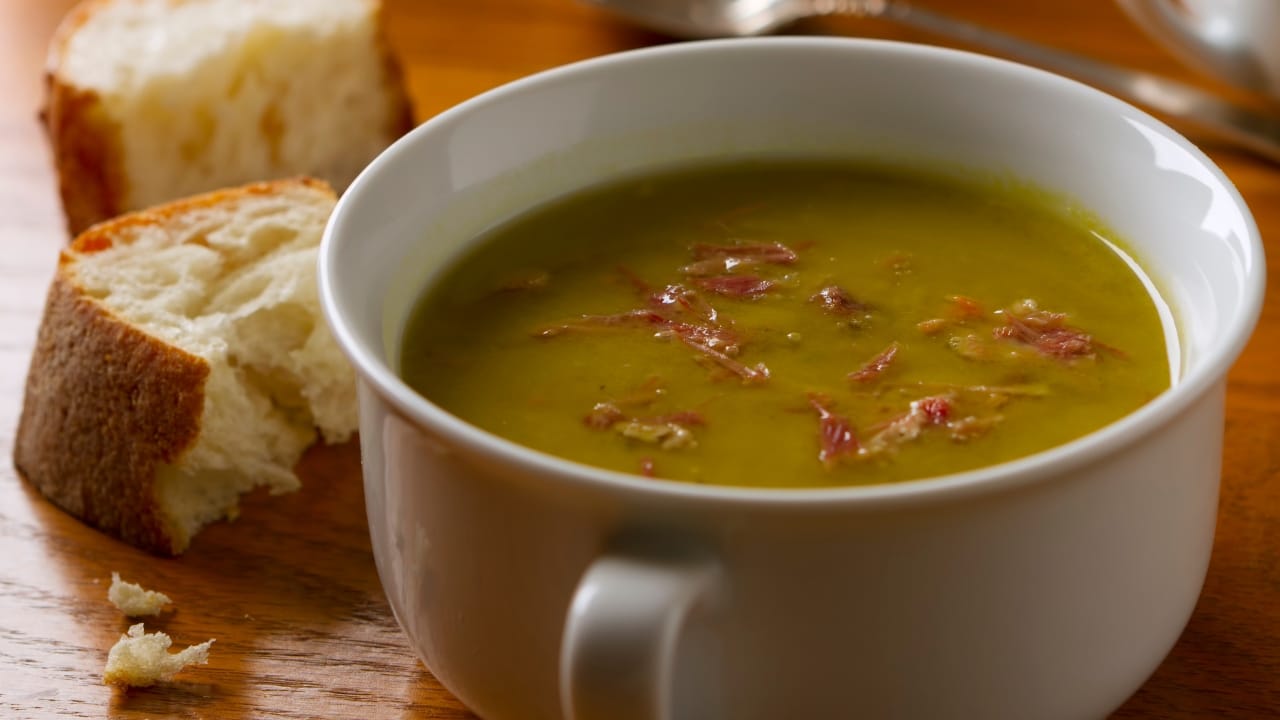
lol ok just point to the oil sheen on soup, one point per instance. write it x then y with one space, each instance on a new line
791 324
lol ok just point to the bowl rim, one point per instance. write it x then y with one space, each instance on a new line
1055 462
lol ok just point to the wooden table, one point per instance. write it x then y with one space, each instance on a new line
289 590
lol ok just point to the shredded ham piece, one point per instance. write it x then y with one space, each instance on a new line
716 343
772 253
603 416
932 326
681 312
876 365
683 300
991 391
667 435
669 431
589 323
749 375
1045 331
646 467
717 265
971 427
936 409
922 413
682 417
834 433
635 280
965 308
709 336
837 301
960 310
970 346
748 286
721 259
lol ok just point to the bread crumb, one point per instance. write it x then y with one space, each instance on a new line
133 600
141 659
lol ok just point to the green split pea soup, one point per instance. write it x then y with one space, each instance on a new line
791 324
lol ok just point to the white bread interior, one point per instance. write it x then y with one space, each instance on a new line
235 284
141 659
197 95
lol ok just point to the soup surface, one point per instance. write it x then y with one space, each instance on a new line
790 324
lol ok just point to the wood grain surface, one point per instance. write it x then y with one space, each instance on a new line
289 589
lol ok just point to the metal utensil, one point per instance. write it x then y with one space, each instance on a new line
1243 126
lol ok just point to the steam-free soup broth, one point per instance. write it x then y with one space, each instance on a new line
791 324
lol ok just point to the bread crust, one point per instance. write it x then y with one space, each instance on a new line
87 152
86 144
107 404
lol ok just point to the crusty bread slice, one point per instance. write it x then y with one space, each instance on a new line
151 100
183 360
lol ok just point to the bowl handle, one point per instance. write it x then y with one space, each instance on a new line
622 633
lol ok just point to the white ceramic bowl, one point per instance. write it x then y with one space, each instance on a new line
534 588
